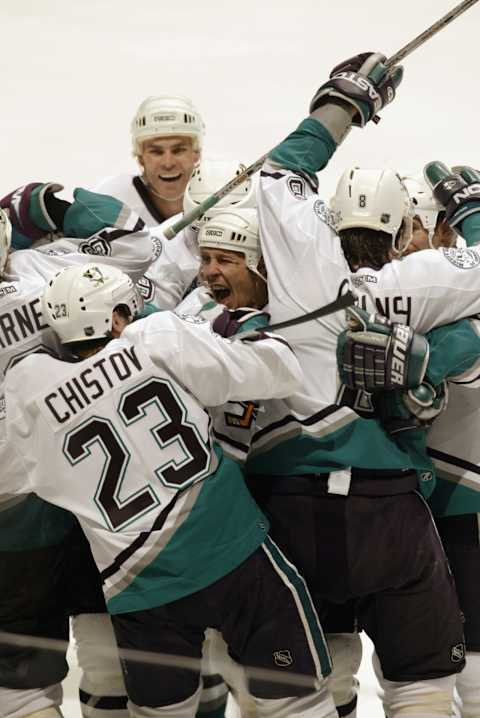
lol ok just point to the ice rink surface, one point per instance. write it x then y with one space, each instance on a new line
74 73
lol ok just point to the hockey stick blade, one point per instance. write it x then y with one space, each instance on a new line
341 302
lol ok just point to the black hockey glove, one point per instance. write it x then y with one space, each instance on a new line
35 213
364 83
456 189
374 354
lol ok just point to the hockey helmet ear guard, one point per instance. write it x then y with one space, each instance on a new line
79 301
374 199
163 115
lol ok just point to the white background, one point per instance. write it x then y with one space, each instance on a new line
74 71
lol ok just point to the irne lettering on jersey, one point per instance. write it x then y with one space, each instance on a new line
80 391
22 322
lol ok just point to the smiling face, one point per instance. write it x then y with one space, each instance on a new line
229 279
168 163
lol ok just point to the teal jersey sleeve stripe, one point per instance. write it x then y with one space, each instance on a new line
307 149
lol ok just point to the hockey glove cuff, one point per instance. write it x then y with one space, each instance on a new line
456 189
374 354
35 213
361 86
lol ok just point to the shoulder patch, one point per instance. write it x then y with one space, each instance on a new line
463 258
296 187
326 214
145 288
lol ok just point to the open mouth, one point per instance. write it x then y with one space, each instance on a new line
220 293
175 178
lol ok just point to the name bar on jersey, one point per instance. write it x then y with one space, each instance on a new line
92 383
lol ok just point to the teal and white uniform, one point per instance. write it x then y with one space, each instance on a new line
308 433
131 452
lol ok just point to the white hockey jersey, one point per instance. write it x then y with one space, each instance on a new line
130 190
234 423
170 276
306 269
425 290
123 441
22 327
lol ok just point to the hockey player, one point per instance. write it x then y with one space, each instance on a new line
305 446
169 278
151 496
452 438
167 136
37 538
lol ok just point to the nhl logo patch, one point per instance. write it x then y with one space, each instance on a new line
457 653
462 258
426 476
296 186
283 658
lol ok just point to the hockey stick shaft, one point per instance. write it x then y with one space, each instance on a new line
211 201
429 32
341 302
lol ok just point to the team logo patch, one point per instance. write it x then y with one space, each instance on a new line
457 653
327 215
283 658
244 420
96 246
94 274
296 186
145 288
462 258
157 246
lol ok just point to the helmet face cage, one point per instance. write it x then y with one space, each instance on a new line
235 230
374 199
5 239
79 301
165 115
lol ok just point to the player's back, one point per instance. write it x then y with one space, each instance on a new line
425 289
131 452
22 326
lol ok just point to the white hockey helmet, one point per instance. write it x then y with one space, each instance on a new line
209 177
371 198
425 206
236 230
163 115
5 239
78 302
